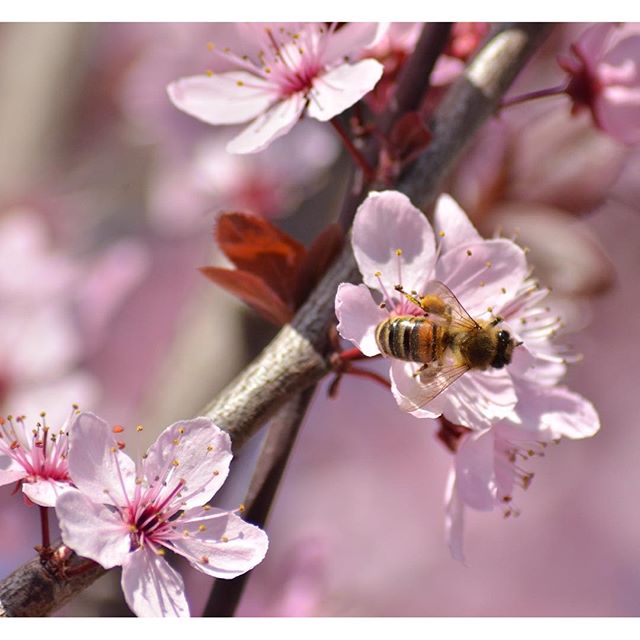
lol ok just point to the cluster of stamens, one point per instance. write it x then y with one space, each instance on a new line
288 60
40 451
154 511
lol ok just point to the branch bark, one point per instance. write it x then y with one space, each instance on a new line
283 431
295 359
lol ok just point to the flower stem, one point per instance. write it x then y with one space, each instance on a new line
534 95
365 373
44 527
355 153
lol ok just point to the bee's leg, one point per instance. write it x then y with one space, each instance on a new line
409 296
496 320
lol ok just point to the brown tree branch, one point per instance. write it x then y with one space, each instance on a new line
225 595
295 359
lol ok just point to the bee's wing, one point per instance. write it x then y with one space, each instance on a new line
434 379
455 313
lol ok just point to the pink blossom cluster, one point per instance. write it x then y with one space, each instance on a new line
128 512
507 413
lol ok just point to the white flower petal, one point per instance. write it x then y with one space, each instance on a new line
220 99
151 587
44 492
92 530
96 466
336 90
452 225
201 453
272 124
358 316
384 223
474 464
454 519
227 546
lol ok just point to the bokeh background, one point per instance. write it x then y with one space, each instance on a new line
108 197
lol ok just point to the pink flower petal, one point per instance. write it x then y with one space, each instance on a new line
454 519
474 462
338 89
203 455
358 316
272 124
592 41
452 225
151 587
94 466
228 546
617 111
483 275
480 397
92 530
10 470
410 395
554 412
44 492
219 99
350 39
384 223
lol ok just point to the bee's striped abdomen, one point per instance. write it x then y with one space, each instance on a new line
411 338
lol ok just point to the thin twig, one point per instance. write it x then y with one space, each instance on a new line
225 595
295 359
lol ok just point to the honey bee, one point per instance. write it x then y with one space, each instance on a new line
446 341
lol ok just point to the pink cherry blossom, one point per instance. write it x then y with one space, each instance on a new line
128 512
488 464
394 244
36 457
604 65
287 71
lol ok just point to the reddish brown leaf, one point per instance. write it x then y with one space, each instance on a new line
256 246
319 256
253 290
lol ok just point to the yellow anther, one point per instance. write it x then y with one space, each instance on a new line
211 46
398 252
240 83
176 441
206 507
210 447
209 73
160 552
503 290
469 252
202 528
224 539
487 264
482 283
180 430
216 472
139 428
175 463
441 234
376 274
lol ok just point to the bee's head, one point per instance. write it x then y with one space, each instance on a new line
504 348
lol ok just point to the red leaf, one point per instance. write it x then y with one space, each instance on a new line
253 290
255 245
319 256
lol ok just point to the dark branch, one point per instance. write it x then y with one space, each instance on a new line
277 446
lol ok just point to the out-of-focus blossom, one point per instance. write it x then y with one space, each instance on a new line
128 512
604 68
287 71
528 179
36 457
187 192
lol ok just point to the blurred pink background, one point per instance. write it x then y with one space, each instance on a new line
108 195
